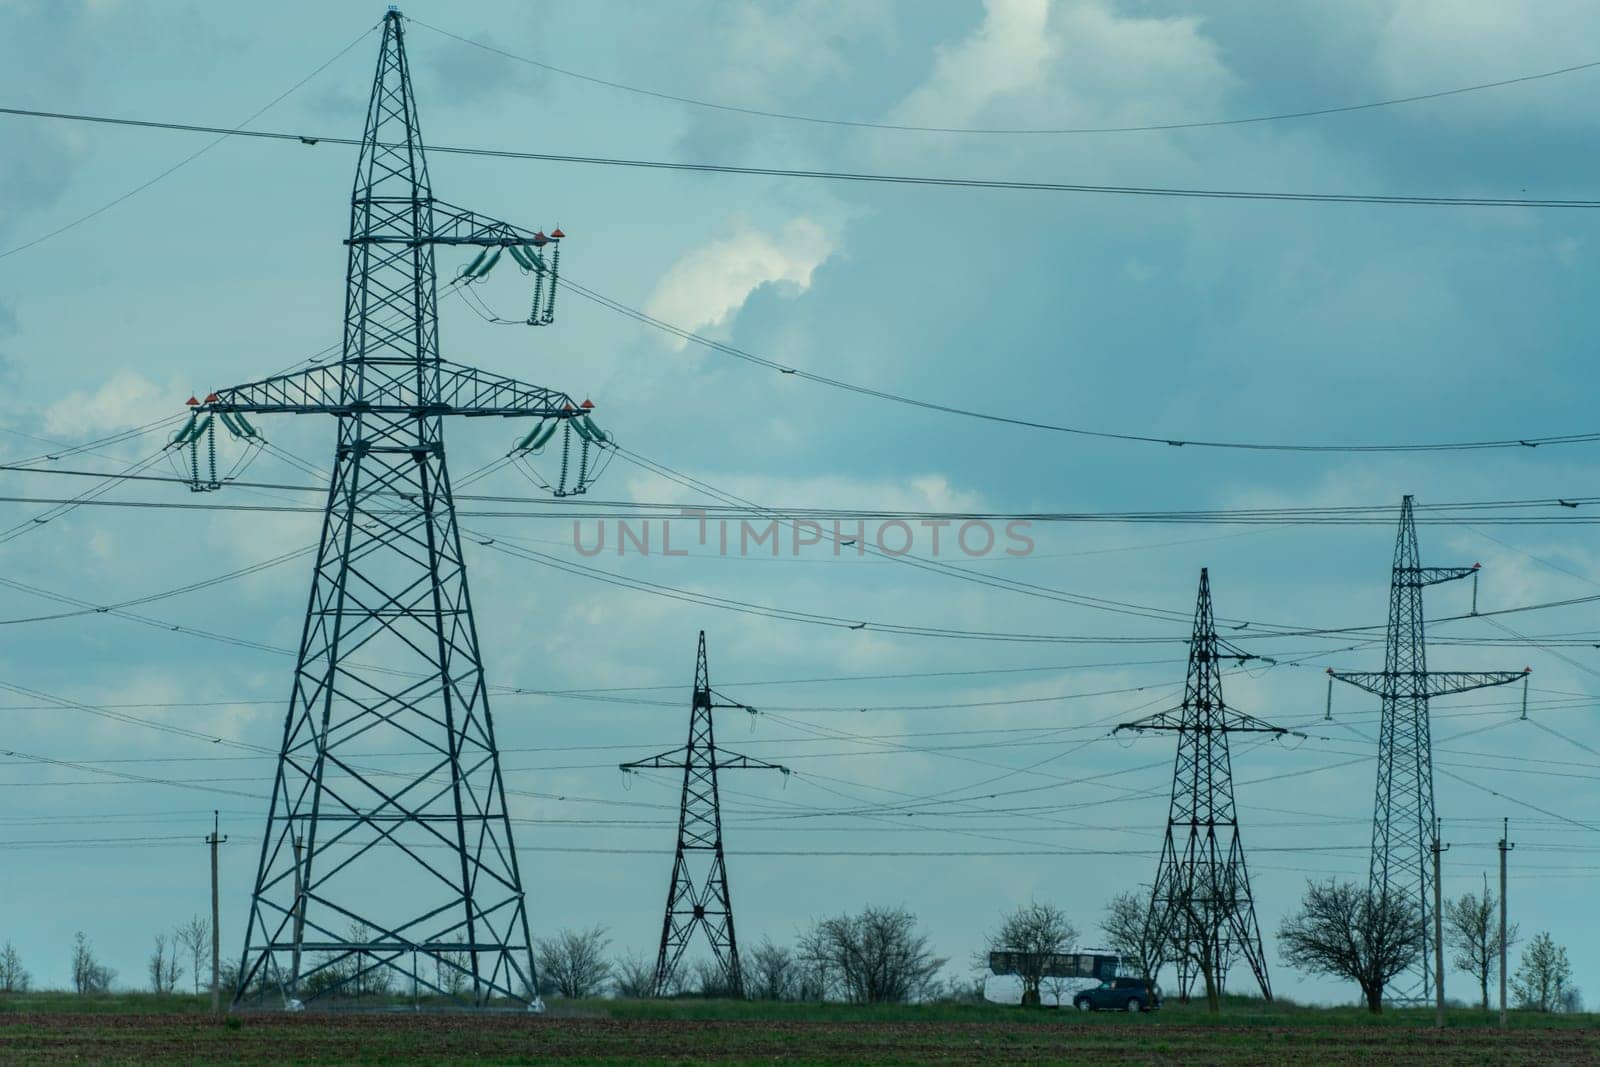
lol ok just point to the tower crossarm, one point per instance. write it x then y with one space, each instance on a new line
677 759
390 388
460 226
1432 575
1178 719
1394 685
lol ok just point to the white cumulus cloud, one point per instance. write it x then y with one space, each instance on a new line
709 285
126 399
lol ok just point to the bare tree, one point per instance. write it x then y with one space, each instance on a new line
633 977
708 980
1346 931
450 972
573 962
13 977
1128 930
195 938
364 973
164 966
1033 931
1472 930
875 957
1543 976
769 972
89 975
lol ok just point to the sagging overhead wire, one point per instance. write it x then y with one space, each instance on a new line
855 177
191 157
1165 440
1187 124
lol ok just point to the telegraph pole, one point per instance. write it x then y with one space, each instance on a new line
1505 846
1438 931
214 839
299 922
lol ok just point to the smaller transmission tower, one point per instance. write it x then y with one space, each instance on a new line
1403 813
1201 909
705 904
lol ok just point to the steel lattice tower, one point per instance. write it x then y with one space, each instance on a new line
1403 812
388 852
703 905
1201 908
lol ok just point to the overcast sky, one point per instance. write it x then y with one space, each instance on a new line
1255 321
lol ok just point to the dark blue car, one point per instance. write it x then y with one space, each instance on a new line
1119 994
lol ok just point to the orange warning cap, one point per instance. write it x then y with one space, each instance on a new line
587 405
192 402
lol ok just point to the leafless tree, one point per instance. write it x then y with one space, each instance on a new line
1128 930
450 972
633 977
573 963
89 975
1543 977
878 956
1034 931
1346 931
769 972
364 974
13 977
1472 930
707 980
195 937
164 966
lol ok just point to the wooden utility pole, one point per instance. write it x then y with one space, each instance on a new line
299 921
1505 846
1438 933
214 839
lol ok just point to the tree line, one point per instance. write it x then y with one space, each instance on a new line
880 955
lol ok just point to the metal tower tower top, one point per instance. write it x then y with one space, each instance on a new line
1403 812
1201 904
388 854
705 905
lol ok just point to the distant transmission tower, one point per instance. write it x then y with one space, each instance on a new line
1201 909
704 904
1403 814
388 861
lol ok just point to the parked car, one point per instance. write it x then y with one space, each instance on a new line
1119 994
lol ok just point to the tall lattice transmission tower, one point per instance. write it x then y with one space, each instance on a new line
697 895
1403 825
1201 908
388 862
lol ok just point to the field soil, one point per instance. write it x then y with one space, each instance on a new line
592 1033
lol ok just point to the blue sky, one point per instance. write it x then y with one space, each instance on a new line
1254 321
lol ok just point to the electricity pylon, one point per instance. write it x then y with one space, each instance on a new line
388 857
705 905
1201 909
1403 813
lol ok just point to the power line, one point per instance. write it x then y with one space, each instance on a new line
1033 424
190 158
857 177
1192 124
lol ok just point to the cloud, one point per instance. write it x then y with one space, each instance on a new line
709 285
462 74
126 399
1007 53
1043 63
